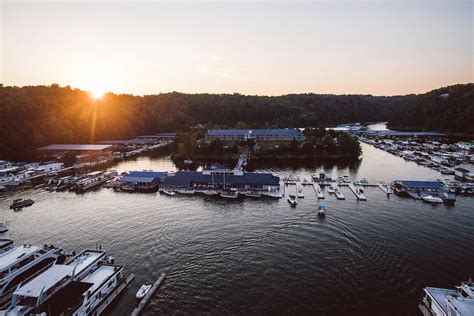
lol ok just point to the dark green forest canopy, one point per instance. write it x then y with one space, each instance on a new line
449 109
35 116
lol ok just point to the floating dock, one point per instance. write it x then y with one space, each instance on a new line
384 187
112 296
357 193
338 193
137 311
319 192
299 190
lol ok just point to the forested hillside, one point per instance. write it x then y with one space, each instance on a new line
35 116
448 109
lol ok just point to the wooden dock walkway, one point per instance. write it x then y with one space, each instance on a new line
319 192
113 295
357 193
299 190
137 311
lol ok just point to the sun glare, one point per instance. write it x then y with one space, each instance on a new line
97 93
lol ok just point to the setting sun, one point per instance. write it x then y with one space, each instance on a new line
97 93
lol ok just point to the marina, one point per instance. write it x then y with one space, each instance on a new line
201 212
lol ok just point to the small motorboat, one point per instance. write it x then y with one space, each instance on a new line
188 161
186 191
276 195
360 188
331 189
3 228
432 199
292 200
321 210
127 188
143 291
168 192
229 194
253 194
19 203
210 192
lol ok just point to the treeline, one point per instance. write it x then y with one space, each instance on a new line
319 143
35 116
449 109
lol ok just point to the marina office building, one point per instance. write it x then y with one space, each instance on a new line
283 134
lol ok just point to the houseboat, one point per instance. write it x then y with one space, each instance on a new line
82 286
93 180
448 302
19 264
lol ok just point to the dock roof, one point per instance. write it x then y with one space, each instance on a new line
422 184
143 176
76 147
45 281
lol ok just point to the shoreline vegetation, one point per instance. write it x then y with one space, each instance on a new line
36 116
319 144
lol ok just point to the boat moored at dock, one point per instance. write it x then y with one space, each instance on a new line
168 192
80 287
229 194
20 263
432 199
448 302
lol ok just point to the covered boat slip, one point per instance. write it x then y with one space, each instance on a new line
222 180
146 180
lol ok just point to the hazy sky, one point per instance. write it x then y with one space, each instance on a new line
381 48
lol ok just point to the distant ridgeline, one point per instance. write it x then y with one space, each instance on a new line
449 109
36 116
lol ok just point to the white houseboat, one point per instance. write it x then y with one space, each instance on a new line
18 264
448 302
80 287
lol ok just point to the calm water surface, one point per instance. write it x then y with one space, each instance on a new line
263 257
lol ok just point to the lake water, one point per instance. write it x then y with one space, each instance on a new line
262 256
